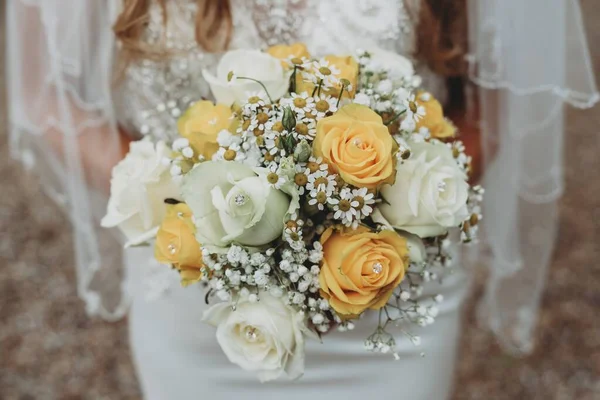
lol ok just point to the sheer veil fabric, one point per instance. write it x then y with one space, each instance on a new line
527 59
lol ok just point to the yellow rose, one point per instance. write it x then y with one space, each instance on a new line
176 243
361 269
434 120
357 145
201 124
348 68
285 52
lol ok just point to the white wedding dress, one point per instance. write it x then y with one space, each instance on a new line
176 355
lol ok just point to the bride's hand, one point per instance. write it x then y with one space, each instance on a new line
100 151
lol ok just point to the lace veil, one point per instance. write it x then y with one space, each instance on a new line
527 58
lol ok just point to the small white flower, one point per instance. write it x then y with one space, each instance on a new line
363 99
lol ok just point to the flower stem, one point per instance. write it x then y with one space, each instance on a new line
391 121
260 83
317 89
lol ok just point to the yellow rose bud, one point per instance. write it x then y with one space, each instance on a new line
176 243
285 52
201 124
357 145
434 120
361 269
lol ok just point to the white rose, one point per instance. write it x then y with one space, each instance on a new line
266 337
248 64
231 203
429 195
398 65
140 183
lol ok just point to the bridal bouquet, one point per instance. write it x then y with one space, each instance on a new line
313 191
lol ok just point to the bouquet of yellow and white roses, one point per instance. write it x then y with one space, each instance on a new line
314 190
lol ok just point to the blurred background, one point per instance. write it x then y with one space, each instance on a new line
50 349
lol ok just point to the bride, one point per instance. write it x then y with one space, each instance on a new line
80 93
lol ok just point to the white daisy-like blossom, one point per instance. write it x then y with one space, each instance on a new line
254 101
293 236
306 129
414 111
323 73
319 198
274 177
325 105
225 153
344 207
321 180
271 140
300 103
363 202
300 180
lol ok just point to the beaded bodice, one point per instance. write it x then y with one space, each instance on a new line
152 94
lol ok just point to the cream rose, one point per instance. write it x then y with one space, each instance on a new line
429 195
231 203
140 183
266 337
248 64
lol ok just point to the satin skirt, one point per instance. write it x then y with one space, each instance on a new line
177 357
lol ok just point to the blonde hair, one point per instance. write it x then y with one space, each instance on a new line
441 33
213 19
